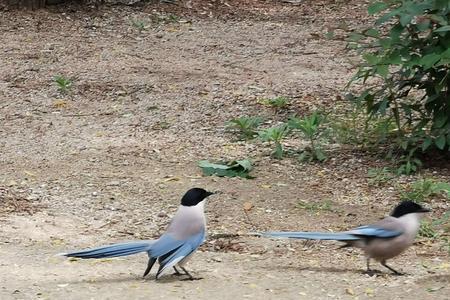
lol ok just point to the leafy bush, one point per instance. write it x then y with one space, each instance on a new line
406 72
246 126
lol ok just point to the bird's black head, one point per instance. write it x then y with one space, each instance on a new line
408 207
194 196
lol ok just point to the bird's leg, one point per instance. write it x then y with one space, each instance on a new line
369 271
383 263
190 276
177 273
151 262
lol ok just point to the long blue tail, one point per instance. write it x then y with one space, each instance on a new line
339 236
115 250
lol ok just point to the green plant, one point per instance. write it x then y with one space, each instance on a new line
406 74
246 126
173 18
276 103
275 135
315 207
62 83
427 230
379 176
234 168
165 18
436 230
310 128
422 190
408 163
140 25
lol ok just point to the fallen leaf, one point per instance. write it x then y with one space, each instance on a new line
248 206
434 289
59 103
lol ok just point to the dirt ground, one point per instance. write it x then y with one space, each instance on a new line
109 160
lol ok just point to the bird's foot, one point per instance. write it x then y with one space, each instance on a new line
397 273
371 272
177 273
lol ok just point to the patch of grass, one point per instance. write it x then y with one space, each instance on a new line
436 230
276 103
408 164
138 24
275 135
424 189
245 126
315 207
380 176
427 230
353 127
62 83
165 19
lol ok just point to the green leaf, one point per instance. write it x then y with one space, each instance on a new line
246 164
429 60
239 168
372 32
424 26
396 32
376 7
443 29
320 156
370 58
440 142
355 37
405 19
426 143
278 152
383 70
440 120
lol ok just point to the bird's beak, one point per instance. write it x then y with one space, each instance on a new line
214 193
424 210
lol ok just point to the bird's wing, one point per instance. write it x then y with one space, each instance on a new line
164 245
176 250
385 228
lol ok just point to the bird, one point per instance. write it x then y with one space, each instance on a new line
380 241
185 233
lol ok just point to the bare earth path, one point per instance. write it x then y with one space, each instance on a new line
109 161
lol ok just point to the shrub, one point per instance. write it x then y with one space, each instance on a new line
405 73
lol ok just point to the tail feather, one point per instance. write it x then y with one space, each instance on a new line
115 250
339 236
